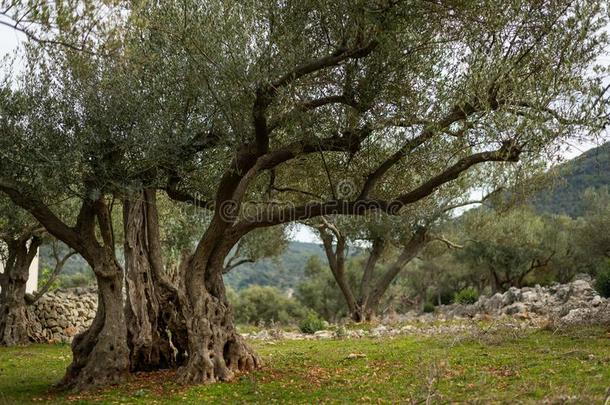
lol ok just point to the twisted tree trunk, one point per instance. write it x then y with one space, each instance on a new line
13 310
215 350
155 329
100 354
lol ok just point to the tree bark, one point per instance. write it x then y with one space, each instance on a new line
149 313
409 251
13 309
336 262
215 350
100 354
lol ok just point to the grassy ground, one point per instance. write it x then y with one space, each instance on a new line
503 367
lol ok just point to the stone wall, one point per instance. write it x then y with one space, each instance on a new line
59 315
573 303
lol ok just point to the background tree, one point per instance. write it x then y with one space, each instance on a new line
20 237
514 246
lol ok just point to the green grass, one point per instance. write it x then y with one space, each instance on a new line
502 367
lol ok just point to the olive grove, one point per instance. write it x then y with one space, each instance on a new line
258 113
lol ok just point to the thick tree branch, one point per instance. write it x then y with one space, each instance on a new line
507 153
311 105
457 114
410 250
266 94
275 216
175 194
43 214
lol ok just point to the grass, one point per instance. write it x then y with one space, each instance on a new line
502 367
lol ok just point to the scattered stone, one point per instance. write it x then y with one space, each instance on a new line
380 330
323 334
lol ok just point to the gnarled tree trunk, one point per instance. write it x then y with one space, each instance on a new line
100 354
13 310
215 350
151 308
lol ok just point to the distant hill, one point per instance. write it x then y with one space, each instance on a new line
589 170
283 272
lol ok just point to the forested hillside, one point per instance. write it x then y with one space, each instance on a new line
284 271
589 170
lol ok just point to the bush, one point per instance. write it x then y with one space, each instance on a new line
84 279
602 282
257 304
428 307
466 296
311 324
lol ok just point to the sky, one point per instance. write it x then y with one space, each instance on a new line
10 40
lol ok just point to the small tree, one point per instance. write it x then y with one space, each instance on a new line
20 237
509 246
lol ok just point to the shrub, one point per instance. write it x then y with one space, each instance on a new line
428 307
311 324
602 282
466 296
257 304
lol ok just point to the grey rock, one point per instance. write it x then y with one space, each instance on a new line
515 308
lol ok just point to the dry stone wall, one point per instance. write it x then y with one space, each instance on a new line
59 315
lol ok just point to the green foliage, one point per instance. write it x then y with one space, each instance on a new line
428 307
591 170
512 248
311 324
602 281
466 296
257 304
43 277
75 264
84 279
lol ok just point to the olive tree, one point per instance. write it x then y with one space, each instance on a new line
20 237
300 98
